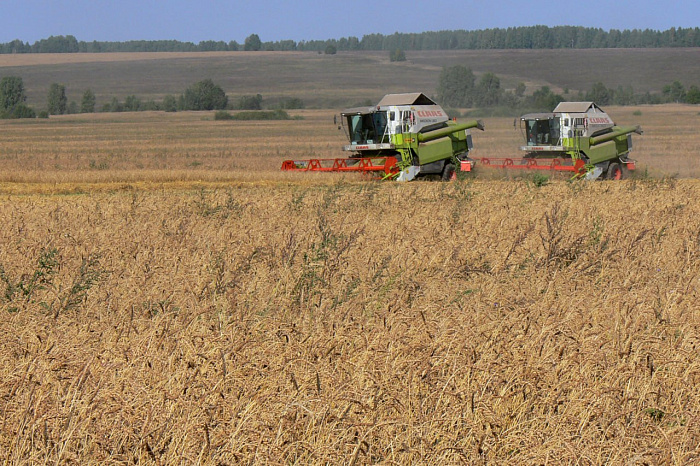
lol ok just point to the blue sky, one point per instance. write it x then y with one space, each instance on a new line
272 20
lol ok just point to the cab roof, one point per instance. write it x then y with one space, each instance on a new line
415 98
576 107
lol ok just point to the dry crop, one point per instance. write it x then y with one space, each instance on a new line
355 323
169 297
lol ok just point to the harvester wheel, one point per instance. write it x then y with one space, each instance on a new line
614 171
449 173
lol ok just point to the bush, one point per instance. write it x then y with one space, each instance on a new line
250 102
278 114
149 106
539 180
19 111
223 115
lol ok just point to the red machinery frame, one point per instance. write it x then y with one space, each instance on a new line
388 165
556 164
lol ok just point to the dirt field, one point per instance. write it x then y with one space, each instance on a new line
168 296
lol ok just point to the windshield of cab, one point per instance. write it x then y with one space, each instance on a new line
543 132
367 128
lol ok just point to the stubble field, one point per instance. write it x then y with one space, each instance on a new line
169 297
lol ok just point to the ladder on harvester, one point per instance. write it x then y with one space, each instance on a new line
582 168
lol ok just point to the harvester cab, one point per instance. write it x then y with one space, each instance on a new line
405 135
542 131
366 128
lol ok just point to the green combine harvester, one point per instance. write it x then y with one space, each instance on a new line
577 137
403 137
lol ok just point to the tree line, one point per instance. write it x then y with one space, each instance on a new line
524 37
202 95
458 87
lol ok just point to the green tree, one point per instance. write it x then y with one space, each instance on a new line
57 44
149 106
11 92
205 95
331 49
170 103
675 92
250 102
132 103
624 95
116 106
600 94
545 99
693 95
57 100
488 92
397 55
456 86
87 105
252 43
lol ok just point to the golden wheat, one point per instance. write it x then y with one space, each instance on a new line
353 323
157 310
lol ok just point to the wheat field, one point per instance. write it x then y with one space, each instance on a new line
169 297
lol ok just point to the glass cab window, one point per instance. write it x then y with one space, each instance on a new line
543 132
368 128
380 126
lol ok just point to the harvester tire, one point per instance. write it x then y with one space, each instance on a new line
614 172
448 173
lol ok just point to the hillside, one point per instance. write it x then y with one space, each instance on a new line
331 81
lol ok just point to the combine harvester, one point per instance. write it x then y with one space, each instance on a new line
406 136
578 137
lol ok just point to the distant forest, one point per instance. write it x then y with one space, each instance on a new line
531 37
